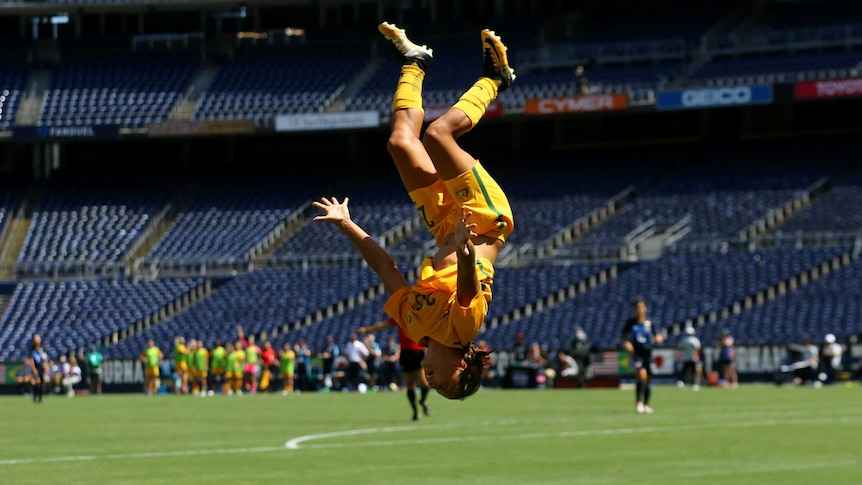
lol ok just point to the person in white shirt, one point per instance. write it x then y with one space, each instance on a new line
71 376
831 356
692 367
356 353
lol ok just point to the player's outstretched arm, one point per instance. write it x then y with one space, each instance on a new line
337 213
375 327
468 280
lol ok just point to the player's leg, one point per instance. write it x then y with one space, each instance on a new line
410 392
639 389
647 389
440 137
424 390
407 151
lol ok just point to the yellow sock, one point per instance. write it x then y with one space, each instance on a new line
408 94
476 100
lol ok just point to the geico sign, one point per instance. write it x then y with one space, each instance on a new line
717 97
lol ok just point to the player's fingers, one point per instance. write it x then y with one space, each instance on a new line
346 199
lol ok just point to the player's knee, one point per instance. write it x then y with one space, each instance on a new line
400 142
437 132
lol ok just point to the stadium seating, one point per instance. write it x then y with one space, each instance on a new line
89 220
830 304
836 210
69 315
262 300
777 68
13 83
545 202
796 15
676 287
126 89
259 83
719 202
227 217
9 193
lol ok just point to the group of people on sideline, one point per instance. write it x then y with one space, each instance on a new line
363 364
245 365
40 374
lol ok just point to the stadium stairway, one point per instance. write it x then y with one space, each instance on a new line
556 245
354 85
587 222
12 239
158 226
311 318
282 232
771 292
594 280
778 215
173 308
188 102
31 105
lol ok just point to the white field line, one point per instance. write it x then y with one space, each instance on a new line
294 444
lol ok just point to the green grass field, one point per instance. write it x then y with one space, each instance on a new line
756 434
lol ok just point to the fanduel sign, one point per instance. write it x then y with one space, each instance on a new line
715 97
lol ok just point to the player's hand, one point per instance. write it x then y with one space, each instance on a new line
333 210
464 232
361 330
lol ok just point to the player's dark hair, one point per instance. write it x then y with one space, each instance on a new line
478 361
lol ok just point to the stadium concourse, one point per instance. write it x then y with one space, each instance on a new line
158 171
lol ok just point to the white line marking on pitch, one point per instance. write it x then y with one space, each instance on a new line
294 444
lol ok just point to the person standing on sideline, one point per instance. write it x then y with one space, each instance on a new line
251 368
328 355
356 353
94 369
637 338
830 358
302 366
462 206
181 366
269 366
374 359
390 376
151 356
287 364
410 360
726 357
38 362
200 368
218 367
234 363
692 369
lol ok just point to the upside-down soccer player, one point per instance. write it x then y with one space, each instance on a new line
462 206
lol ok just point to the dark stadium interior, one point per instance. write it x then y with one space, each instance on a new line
745 216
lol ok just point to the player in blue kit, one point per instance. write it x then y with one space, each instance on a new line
637 338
